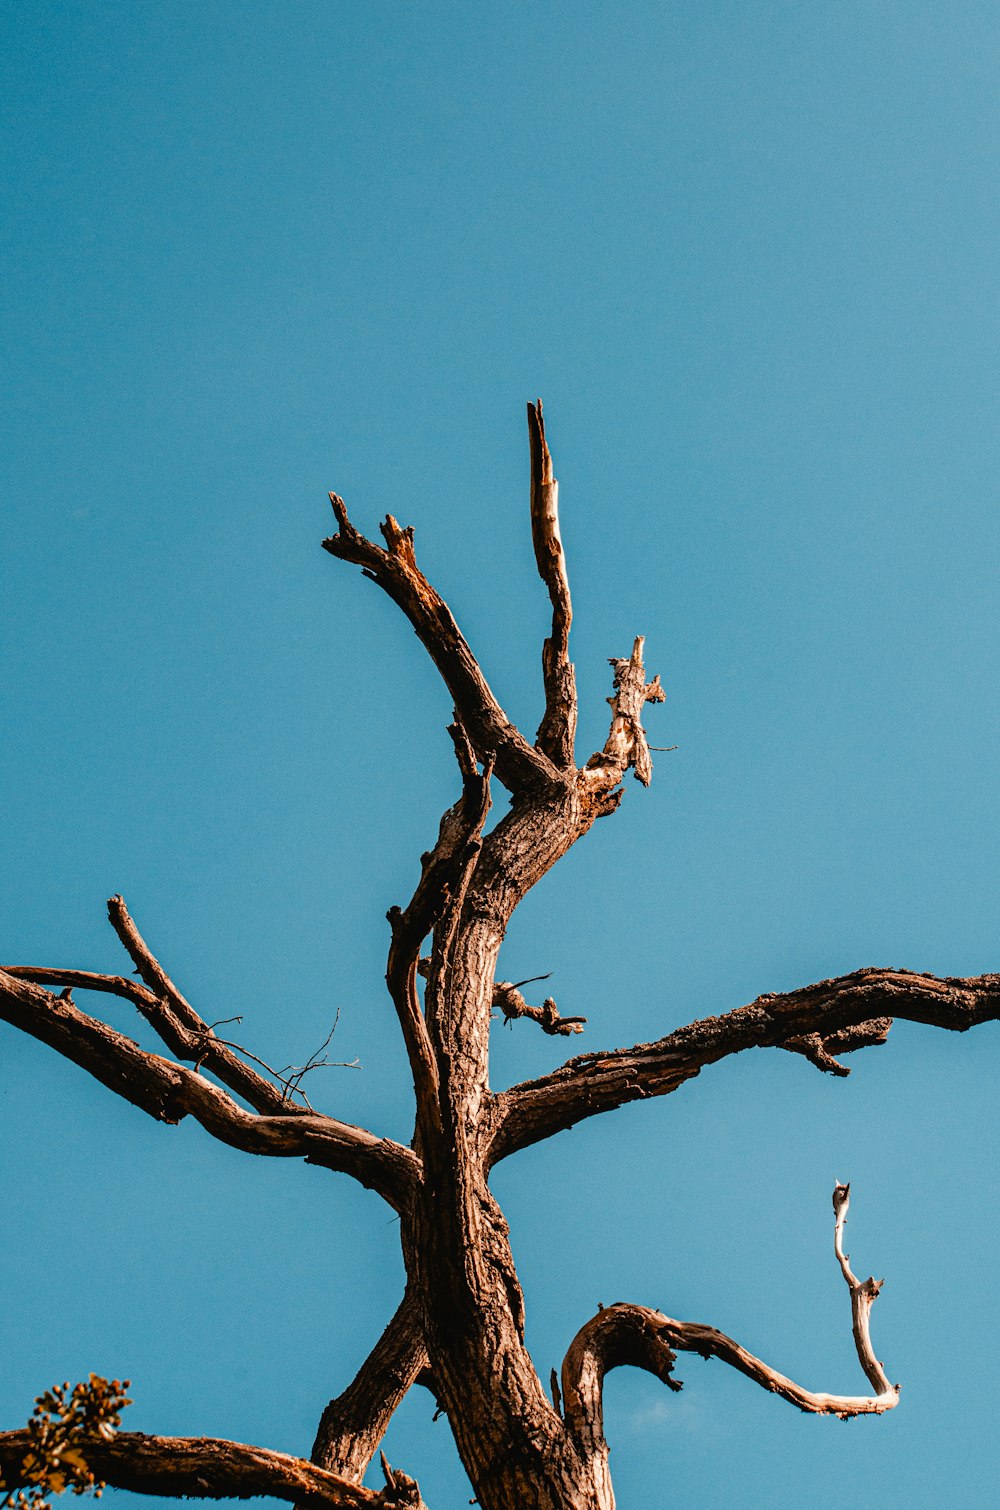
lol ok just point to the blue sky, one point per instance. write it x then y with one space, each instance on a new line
747 255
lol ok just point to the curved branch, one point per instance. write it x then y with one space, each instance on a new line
643 1338
211 1468
167 1092
86 980
518 764
353 1424
557 731
845 1014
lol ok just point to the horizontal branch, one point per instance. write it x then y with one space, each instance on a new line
183 1030
211 1468
844 1014
518 764
198 1046
167 1092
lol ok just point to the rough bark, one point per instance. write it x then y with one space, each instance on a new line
557 732
352 1426
211 1468
842 1015
460 1326
167 1092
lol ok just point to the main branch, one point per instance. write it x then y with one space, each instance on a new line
840 1015
211 1468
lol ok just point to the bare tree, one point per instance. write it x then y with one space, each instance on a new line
459 1328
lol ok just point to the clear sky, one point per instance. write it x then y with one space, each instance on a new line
748 256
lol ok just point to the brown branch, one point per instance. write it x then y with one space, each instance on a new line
618 1336
626 746
444 876
167 1092
352 1425
87 980
822 1051
198 1046
184 1031
210 1468
518 764
843 1014
170 1015
508 1000
557 731
642 1338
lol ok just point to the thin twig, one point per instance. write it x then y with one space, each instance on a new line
290 1084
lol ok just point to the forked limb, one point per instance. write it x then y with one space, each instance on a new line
167 1092
394 567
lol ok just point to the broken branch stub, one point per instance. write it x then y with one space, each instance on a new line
626 744
508 1000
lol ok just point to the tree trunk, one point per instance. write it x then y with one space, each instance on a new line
512 1441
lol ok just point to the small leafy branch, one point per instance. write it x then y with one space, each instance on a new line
61 1423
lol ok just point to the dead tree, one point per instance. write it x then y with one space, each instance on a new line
459 1327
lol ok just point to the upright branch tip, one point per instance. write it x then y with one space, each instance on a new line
626 746
557 731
